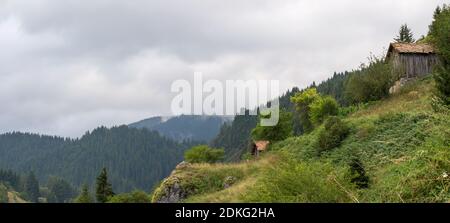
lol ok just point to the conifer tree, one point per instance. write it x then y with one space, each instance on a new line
32 187
85 196
405 35
440 32
104 189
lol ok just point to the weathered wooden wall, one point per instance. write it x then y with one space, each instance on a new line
414 65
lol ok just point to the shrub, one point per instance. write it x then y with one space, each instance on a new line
136 196
302 101
331 136
323 108
203 154
312 108
358 173
281 131
370 83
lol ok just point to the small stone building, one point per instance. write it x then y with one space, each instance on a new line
412 59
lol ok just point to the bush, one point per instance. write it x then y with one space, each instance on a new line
136 196
312 108
358 173
302 101
323 108
370 83
203 154
332 134
281 131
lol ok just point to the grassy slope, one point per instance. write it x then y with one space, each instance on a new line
14 197
403 144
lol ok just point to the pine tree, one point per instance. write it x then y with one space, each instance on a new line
85 196
440 32
436 13
32 187
104 189
405 35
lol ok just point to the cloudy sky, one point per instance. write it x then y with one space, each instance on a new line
70 66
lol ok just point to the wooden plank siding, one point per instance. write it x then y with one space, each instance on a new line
413 64
412 59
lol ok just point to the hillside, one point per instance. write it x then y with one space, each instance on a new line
234 136
402 146
135 158
185 127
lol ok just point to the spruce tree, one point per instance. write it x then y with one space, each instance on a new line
104 189
440 32
405 35
85 196
32 187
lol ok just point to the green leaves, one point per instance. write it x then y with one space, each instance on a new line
203 154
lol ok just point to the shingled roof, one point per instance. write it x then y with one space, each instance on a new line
261 145
419 48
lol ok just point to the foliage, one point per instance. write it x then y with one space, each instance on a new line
322 108
3 194
203 154
370 83
10 178
135 158
281 131
136 196
234 136
303 101
103 188
185 127
440 35
85 196
334 87
405 35
358 173
32 187
331 136
60 190
293 181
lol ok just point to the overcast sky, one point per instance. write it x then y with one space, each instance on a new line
69 66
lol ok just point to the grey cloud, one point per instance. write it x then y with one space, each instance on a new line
69 66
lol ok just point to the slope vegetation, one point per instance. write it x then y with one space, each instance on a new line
401 144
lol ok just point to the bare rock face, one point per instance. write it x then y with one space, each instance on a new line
182 165
171 190
172 193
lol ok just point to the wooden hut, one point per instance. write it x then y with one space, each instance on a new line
259 146
412 59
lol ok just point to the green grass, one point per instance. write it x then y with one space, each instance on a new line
402 143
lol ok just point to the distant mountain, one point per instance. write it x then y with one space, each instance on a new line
185 127
135 158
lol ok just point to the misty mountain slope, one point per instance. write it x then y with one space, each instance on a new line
185 127
135 158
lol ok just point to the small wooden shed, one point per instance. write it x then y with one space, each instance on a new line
412 59
259 146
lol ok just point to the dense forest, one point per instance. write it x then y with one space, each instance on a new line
135 158
185 127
